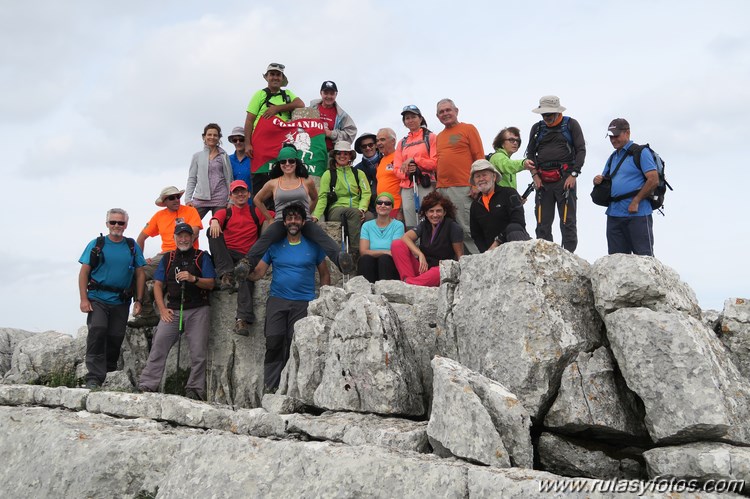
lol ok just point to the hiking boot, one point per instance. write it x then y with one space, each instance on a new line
194 395
243 269
93 384
242 328
227 282
346 264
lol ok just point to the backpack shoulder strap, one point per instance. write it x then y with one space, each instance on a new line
226 218
636 150
198 256
285 96
426 138
255 218
334 179
170 260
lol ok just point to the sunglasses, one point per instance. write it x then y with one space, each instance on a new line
116 222
288 161
172 197
385 203
368 145
548 115
238 139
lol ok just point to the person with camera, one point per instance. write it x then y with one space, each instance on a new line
630 227
414 163
346 192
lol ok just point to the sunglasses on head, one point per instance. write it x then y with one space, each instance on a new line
410 108
116 222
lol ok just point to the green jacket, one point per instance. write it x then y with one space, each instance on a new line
350 193
507 167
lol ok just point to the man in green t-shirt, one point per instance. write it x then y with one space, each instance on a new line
269 102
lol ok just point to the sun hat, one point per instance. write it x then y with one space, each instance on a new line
481 165
549 104
358 142
166 192
275 66
343 145
237 131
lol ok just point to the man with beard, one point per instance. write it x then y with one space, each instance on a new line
497 215
188 275
294 261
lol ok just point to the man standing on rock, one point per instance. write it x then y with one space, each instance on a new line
557 149
188 275
338 124
231 234
458 146
105 284
630 227
294 261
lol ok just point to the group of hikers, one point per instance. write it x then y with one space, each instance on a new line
404 207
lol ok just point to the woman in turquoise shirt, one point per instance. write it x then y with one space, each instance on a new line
375 260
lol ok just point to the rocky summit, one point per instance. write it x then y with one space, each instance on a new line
528 373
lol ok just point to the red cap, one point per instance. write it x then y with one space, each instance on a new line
236 184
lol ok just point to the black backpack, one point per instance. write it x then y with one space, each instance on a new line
96 259
283 94
331 194
657 196
252 213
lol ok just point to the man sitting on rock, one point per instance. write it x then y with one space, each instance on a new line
188 275
231 234
497 215
294 261
108 265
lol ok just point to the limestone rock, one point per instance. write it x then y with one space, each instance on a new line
307 354
679 370
568 457
735 332
305 112
328 303
68 398
44 356
593 397
521 314
358 284
712 319
701 460
370 365
477 419
9 338
361 429
118 380
281 404
624 281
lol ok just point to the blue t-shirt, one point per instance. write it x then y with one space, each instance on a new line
381 239
294 268
207 268
629 178
241 170
116 271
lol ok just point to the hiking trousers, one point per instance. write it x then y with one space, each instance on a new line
281 315
630 235
549 196
224 261
411 218
196 322
353 223
106 324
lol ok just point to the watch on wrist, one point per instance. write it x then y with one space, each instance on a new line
574 174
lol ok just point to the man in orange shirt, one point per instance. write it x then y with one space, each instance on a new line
458 146
386 175
162 224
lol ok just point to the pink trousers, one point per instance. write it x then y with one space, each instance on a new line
408 267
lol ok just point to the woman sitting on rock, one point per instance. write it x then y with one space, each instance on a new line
440 238
375 260
289 184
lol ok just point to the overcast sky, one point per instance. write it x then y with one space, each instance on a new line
102 104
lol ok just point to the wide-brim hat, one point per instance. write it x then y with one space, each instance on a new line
275 66
358 142
481 165
549 104
166 192
237 131
343 145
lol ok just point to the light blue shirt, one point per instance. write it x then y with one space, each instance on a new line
381 239
629 178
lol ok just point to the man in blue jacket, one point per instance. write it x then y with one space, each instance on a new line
629 222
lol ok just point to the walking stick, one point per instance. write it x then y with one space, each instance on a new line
180 326
565 210
344 242
417 204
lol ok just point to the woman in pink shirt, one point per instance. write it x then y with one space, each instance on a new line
414 163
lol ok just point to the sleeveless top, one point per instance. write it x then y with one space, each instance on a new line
284 197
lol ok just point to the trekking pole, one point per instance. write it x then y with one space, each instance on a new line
344 242
539 206
417 204
565 209
528 191
180 326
